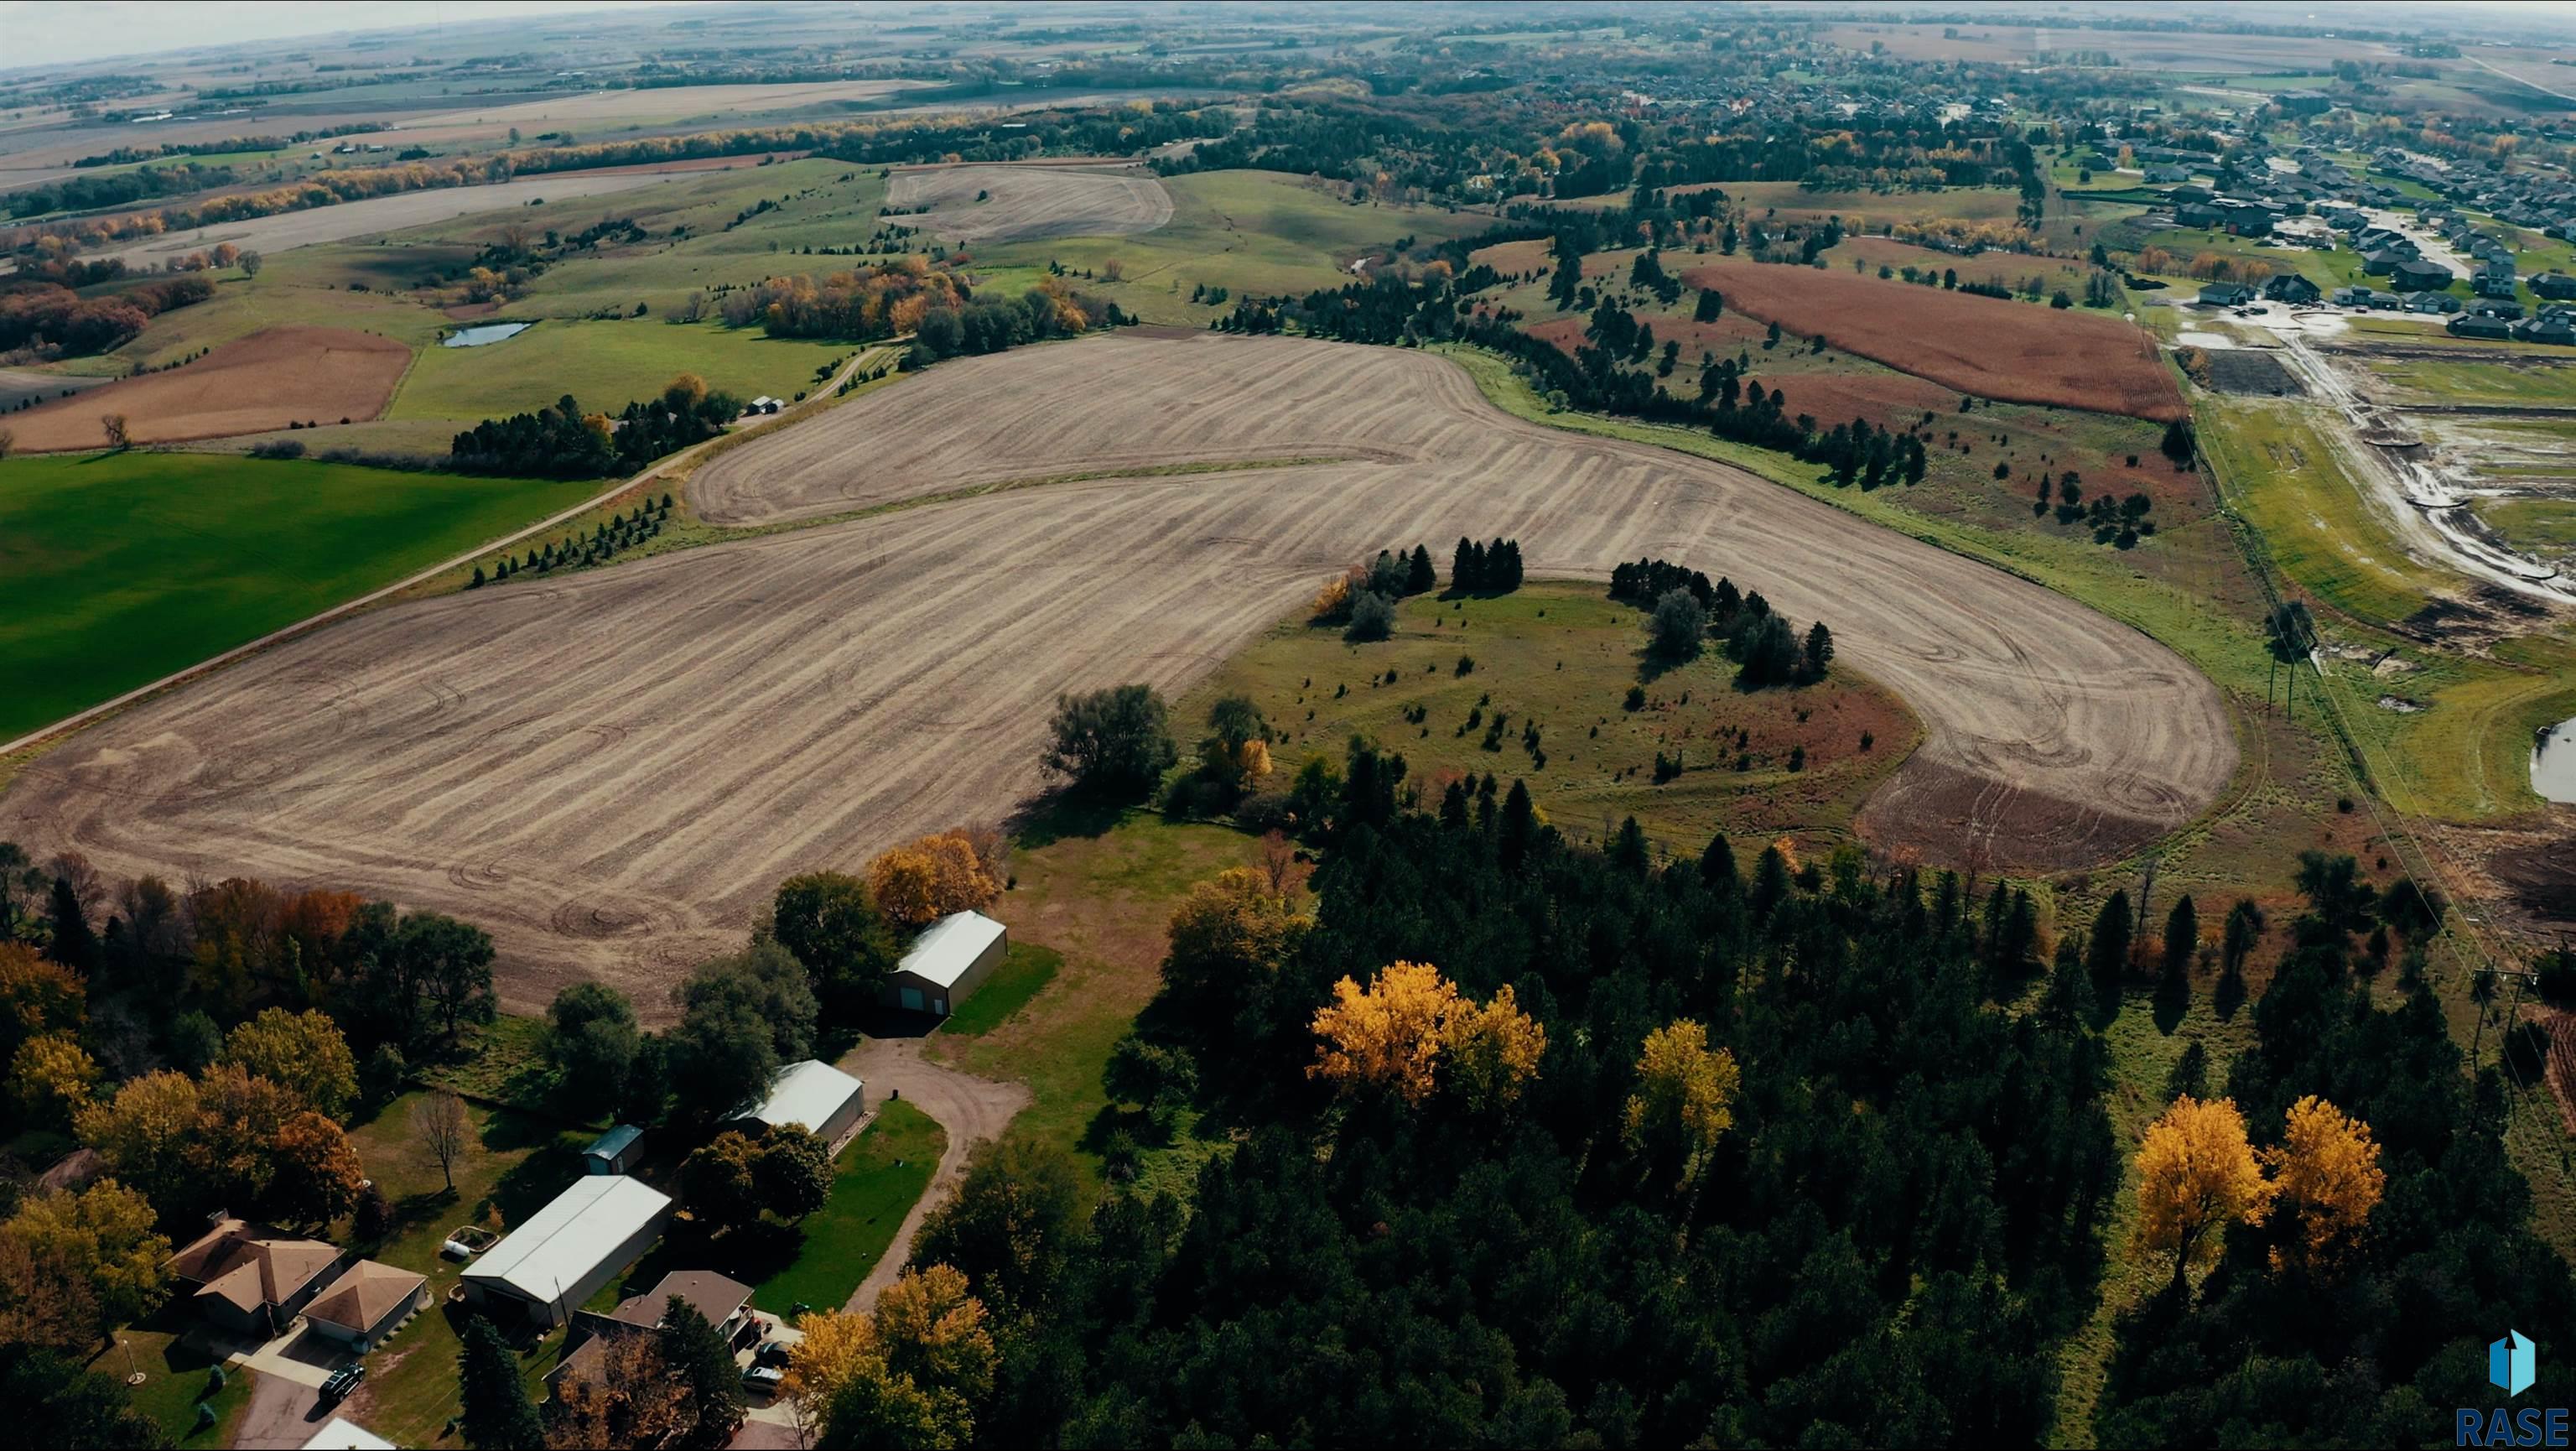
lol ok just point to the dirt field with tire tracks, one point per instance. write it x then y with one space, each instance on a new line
263 382
1025 202
611 770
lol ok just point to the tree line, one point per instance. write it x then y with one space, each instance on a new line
563 442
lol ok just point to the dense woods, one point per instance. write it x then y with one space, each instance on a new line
41 321
563 442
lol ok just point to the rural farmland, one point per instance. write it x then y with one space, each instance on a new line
611 770
973 204
265 381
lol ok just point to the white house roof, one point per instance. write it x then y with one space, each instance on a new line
566 1240
807 1093
942 954
341 1435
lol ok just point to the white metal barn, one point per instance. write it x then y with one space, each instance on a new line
946 964
567 1250
815 1094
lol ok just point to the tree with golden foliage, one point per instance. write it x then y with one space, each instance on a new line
1493 1051
2326 1180
37 995
1230 935
145 1132
1386 1035
1685 1094
907 1375
931 1329
2196 1176
303 1052
53 1079
1332 603
103 1236
922 881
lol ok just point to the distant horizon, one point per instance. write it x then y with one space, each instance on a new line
78 32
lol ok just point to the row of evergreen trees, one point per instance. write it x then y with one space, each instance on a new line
1491 568
563 442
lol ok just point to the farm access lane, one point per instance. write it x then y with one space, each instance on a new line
820 395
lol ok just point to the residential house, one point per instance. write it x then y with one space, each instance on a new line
2469 325
2432 302
2496 307
367 1303
2415 275
2552 329
2226 294
2291 287
252 1280
2557 286
725 1302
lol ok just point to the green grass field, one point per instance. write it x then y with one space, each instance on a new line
2545 382
880 1176
2286 480
126 567
1025 971
605 365
2546 523
1562 657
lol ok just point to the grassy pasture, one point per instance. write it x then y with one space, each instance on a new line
605 365
126 567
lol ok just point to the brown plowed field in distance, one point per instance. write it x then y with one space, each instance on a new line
263 382
1991 347
611 771
1026 202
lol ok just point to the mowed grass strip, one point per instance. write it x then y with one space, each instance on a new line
878 1179
125 567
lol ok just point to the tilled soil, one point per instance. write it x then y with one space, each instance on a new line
1024 202
611 771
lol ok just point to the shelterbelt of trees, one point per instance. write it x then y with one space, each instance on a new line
1537 1145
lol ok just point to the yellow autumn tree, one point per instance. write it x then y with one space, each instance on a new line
1386 1035
922 881
2326 1179
1493 1051
1332 602
1685 1094
2196 1176
53 1078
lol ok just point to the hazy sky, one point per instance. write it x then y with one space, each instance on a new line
52 32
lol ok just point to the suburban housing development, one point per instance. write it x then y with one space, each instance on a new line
1161 724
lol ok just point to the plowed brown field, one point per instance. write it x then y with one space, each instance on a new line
613 769
1990 346
265 381
1024 202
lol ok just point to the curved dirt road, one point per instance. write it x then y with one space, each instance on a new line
969 1108
610 771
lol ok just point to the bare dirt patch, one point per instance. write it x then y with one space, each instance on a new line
1991 347
263 382
975 204
610 772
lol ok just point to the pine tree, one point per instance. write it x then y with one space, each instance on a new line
2108 957
1419 577
703 1364
498 1414
1717 867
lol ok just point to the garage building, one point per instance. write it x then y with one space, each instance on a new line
564 1252
825 1100
946 964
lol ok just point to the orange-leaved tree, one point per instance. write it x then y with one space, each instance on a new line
2326 1180
1395 1033
2197 1175
922 881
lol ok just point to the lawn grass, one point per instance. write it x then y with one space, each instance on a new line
176 1376
2548 523
1099 889
501 1063
2540 382
126 567
2286 478
1562 657
514 1167
1025 971
605 365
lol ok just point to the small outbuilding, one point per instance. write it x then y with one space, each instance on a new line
369 1302
617 1151
946 964
565 1252
821 1097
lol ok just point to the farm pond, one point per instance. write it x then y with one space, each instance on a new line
2553 762
490 332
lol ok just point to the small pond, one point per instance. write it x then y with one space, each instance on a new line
490 332
2553 762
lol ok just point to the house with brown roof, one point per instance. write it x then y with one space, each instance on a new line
726 1302
368 1303
253 1280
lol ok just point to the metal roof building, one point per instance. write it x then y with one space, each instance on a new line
567 1250
816 1094
946 964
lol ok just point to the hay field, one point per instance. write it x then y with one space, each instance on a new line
375 215
612 770
1026 203
264 381
1992 347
